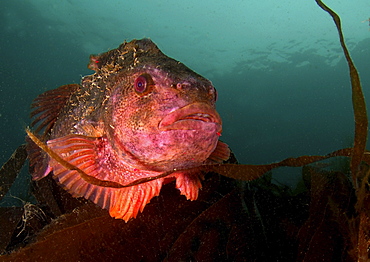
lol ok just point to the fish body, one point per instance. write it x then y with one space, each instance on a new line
140 120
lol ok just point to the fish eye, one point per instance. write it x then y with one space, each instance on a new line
142 84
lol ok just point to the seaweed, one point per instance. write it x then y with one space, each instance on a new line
10 170
241 214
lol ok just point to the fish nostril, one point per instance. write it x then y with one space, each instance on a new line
183 86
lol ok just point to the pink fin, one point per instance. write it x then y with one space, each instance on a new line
95 157
80 151
122 203
189 183
220 154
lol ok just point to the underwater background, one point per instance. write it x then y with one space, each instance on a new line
283 82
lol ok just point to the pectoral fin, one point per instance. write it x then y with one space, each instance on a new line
220 154
73 161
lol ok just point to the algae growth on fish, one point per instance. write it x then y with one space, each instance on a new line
141 120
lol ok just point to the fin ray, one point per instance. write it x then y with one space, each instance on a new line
48 105
189 183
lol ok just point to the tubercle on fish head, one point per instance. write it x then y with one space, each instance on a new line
125 56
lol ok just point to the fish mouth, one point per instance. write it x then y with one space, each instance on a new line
195 116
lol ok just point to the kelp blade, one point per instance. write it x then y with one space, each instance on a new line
358 100
251 172
10 170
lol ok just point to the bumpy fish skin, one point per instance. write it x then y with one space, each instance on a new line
141 114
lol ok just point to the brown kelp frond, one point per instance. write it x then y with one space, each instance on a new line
10 170
358 153
251 172
358 100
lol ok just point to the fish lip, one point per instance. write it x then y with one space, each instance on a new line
198 113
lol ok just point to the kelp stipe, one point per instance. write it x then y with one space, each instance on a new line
360 177
10 170
358 100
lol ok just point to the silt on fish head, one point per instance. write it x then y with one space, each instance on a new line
139 116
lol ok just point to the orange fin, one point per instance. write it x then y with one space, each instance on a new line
125 203
220 154
78 161
57 159
122 203
78 154
189 183
47 106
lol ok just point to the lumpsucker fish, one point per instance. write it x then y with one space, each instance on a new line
140 121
